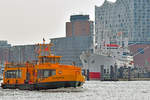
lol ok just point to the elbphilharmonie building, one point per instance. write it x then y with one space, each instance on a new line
131 17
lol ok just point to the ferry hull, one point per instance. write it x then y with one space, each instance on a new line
40 86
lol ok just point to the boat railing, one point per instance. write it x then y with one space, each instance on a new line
11 65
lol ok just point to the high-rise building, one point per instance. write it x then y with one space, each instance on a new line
129 17
70 48
79 38
4 51
19 53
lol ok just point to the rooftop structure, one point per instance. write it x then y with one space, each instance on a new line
4 43
79 25
79 17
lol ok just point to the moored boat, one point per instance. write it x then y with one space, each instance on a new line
108 56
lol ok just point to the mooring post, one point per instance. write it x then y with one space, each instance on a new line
102 72
111 73
88 75
129 73
116 73
121 72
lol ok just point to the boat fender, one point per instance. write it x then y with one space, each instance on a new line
7 81
26 81
16 81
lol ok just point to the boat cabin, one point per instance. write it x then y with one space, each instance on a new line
49 59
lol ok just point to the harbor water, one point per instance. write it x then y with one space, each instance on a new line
91 90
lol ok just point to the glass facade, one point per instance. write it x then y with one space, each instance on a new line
131 17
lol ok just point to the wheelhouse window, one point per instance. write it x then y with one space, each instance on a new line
13 74
52 60
44 73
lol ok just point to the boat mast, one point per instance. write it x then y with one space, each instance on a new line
45 47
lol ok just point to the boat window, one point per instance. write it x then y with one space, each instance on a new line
49 60
44 73
13 74
53 60
57 60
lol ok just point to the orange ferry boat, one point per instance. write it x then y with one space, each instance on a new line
47 73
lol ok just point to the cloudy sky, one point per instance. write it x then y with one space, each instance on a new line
28 21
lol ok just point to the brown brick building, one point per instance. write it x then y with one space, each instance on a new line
79 25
